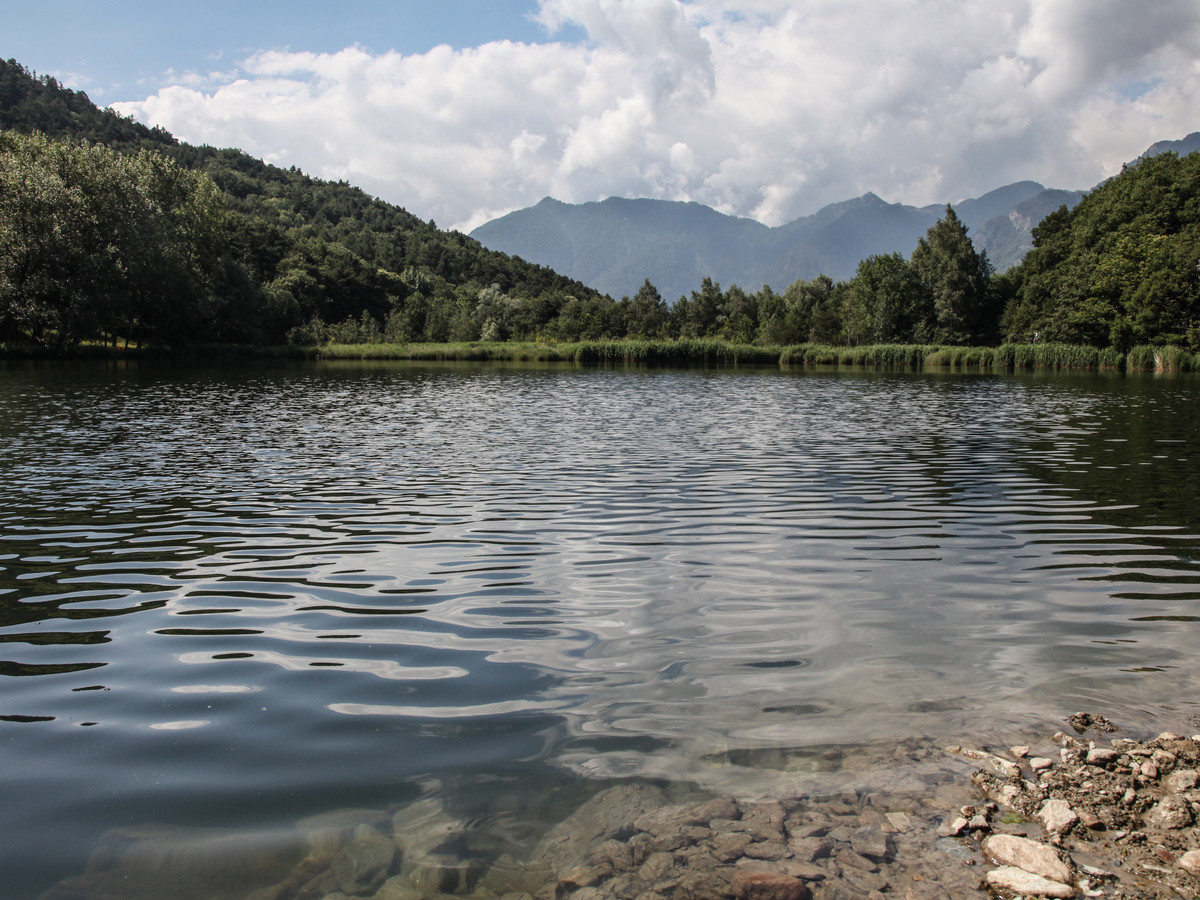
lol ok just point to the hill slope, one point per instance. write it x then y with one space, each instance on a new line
298 249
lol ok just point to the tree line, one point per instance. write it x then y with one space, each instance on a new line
110 230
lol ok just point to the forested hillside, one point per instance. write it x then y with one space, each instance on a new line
287 254
1121 268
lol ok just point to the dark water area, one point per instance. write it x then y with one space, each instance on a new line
237 596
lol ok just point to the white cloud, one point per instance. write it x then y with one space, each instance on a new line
766 108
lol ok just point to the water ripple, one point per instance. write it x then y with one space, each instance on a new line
295 580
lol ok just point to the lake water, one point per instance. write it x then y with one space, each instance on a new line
235 596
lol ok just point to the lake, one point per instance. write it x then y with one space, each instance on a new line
235 596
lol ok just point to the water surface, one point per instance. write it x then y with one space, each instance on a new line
238 595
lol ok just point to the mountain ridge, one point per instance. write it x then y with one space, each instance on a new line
613 245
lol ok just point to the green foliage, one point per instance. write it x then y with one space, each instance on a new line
1122 268
94 243
944 293
646 315
955 278
1170 358
886 302
807 310
685 351
715 352
1055 356
905 356
29 103
279 254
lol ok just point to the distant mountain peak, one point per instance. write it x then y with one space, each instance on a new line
1182 147
614 244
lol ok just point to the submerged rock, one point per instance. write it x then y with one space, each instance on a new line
1009 880
363 864
156 861
767 886
636 841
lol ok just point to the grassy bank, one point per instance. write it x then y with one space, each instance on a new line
681 352
685 352
1005 358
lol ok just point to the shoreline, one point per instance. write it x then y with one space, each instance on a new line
682 351
1087 811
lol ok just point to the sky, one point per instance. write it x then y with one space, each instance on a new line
463 110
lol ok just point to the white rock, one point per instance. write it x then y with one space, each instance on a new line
1010 850
1057 816
1010 878
1019 752
997 765
1181 780
1190 862
1040 763
1006 795
1171 813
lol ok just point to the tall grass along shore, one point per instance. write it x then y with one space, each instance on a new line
685 351
1005 358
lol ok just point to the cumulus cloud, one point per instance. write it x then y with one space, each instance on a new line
761 108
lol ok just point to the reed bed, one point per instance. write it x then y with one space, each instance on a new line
684 352
681 352
474 351
714 352
1163 359
1057 356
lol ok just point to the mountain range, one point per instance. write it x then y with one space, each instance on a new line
613 245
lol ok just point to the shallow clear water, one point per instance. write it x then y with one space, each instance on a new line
237 596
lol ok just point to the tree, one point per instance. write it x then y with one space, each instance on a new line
701 314
1122 267
94 243
955 277
792 317
886 303
646 314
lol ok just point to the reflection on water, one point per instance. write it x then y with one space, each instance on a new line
239 597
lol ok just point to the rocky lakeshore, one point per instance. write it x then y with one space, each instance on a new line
1089 813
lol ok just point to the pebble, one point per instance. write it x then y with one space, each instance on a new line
769 886
954 828
1103 757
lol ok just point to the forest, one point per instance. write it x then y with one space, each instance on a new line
114 233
